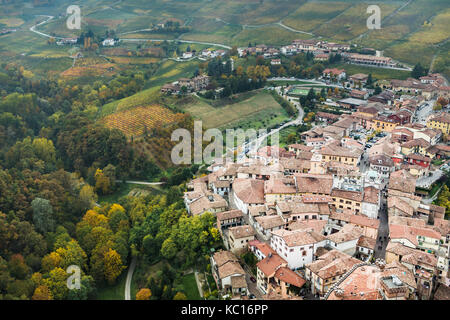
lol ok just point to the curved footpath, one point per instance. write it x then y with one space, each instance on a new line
129 278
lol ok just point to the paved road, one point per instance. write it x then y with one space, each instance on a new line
142 182
426 181
178 40
425 111
383 230
129 278
33 28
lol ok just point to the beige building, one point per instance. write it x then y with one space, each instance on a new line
239 237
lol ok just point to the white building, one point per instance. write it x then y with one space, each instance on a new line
108 42
296 247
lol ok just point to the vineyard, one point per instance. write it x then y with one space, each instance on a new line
134 122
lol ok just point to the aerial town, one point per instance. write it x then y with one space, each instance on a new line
220 159
336 217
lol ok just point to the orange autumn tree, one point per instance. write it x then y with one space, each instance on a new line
144 294
42 293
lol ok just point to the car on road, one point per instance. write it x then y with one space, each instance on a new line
252 279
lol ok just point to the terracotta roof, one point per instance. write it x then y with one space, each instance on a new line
298 237
295 164
362 284
381 160
314 183
413 222
334 150
402 181
244 231
442 117
364 221
270 264
269 222
327 115
226 215
347 233
371 195
206 202
308 198
249 190
402 272
278 186
310 224
294 207
366 242
332 264
419 157
288 276
262 246
347 194
221 257
230 268
410 233
238 282
442 292
396 202
255 211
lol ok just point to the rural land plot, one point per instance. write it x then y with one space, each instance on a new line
312 14
228 116
352 22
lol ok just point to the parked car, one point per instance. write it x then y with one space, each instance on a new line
252 279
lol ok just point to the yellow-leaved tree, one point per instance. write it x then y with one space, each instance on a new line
113 265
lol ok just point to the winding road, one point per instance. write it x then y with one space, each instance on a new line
129 278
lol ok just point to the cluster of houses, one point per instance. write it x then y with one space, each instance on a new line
310 212
186 85
321 50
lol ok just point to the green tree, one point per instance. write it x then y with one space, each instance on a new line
43 215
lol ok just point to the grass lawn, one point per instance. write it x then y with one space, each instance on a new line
190 287
115 292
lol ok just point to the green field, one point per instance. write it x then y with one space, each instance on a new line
115 292
312 14
252 111
190 287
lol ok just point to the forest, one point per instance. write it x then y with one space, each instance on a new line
55 162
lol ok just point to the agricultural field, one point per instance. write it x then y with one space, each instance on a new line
352 22
250 112
11 22
251 12
312 14
90 67
273 34
211 30
134 121
133 60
